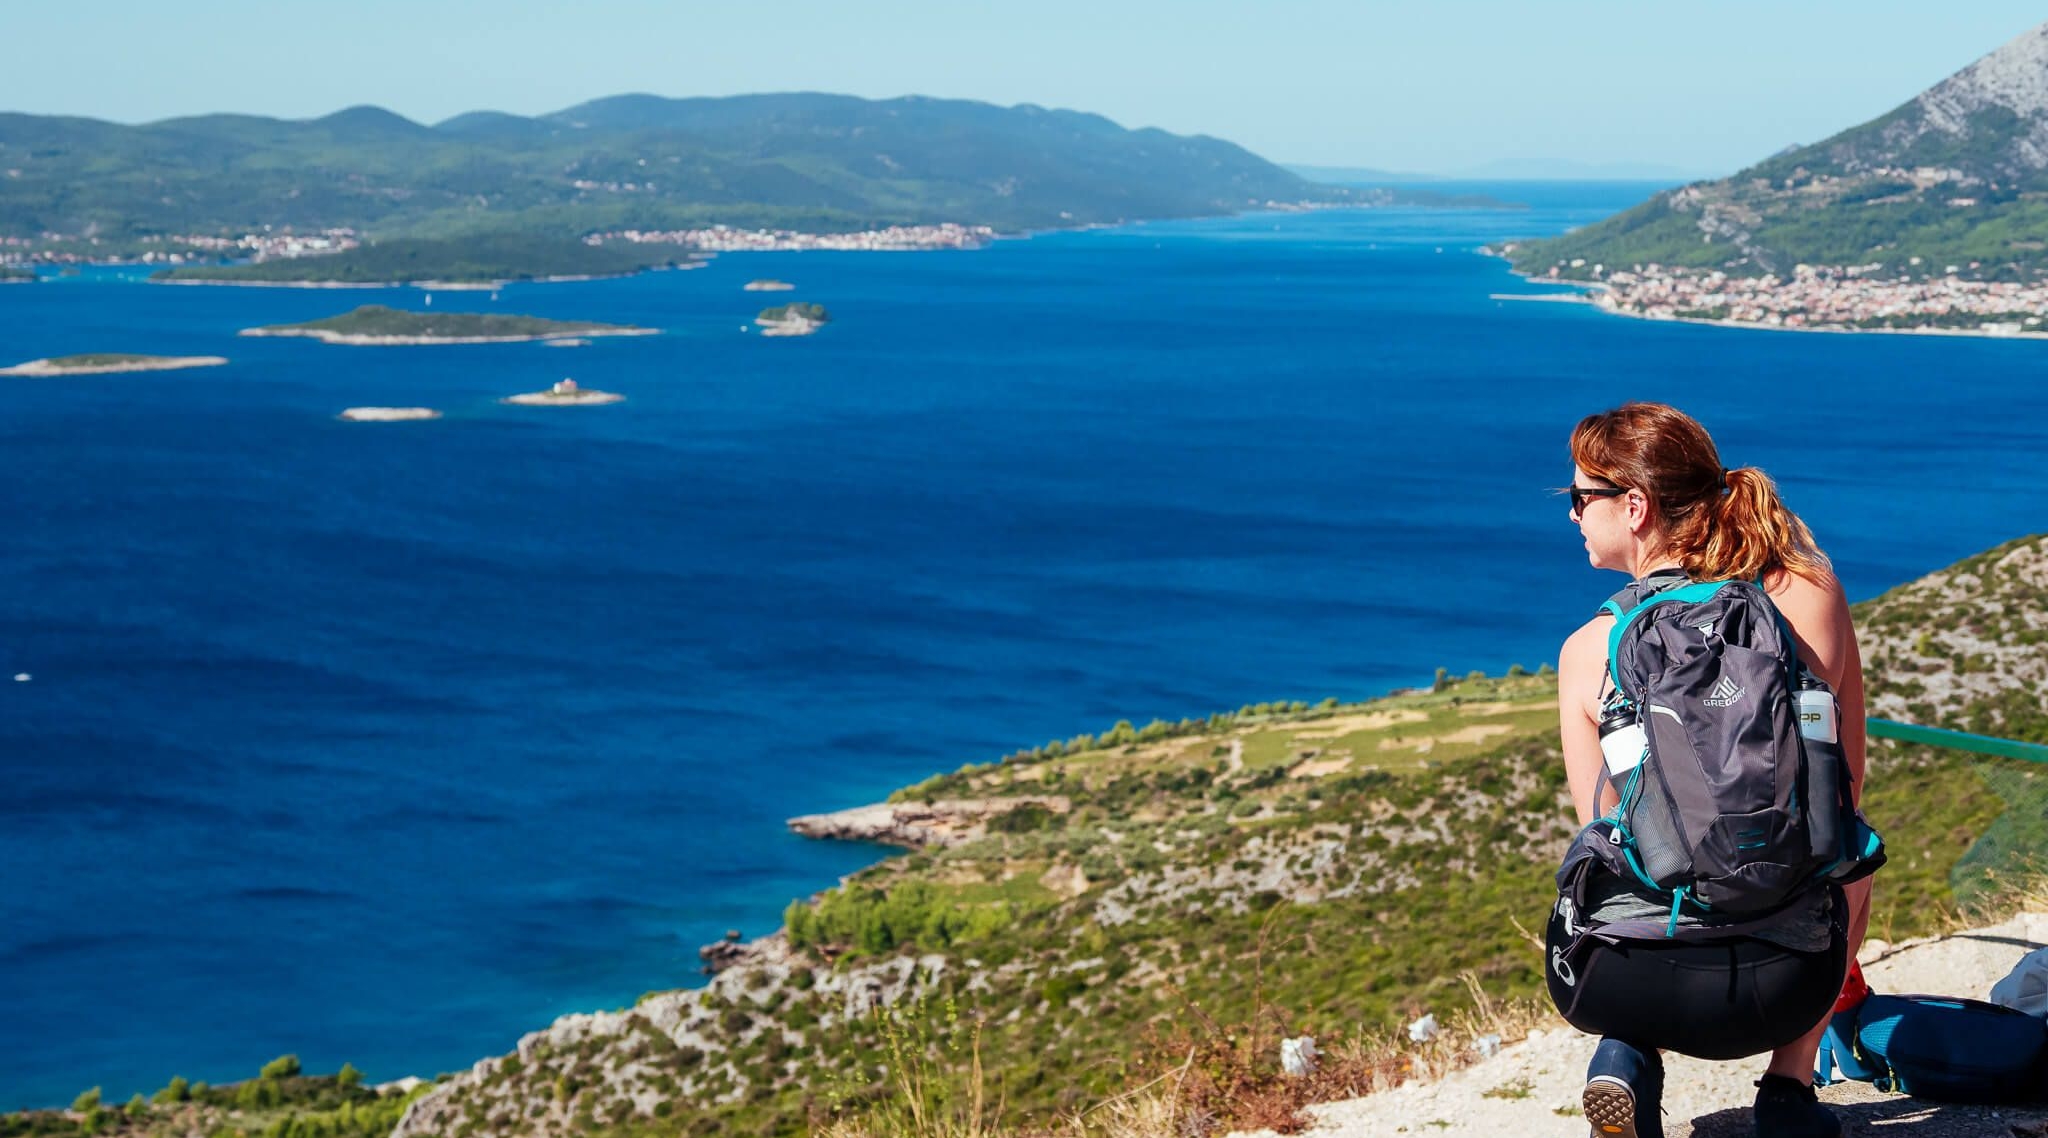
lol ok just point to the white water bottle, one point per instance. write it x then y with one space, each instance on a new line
1623 743
1815 706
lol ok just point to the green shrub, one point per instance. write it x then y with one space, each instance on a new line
1024 819
1060 989
177 1090
870 921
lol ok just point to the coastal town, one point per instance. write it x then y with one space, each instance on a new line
1819 298
194 248
725 239
176 249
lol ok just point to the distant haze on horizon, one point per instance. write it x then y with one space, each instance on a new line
1588 88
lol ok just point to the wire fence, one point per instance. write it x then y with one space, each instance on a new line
2017 842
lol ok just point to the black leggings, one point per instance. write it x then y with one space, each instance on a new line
1708 999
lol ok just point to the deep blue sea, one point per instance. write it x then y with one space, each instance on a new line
389 743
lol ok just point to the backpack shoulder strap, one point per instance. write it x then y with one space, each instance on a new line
1692 593
1625 600
1641 588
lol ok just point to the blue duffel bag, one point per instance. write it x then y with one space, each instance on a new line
1938 1047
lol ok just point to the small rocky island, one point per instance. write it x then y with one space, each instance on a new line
564 394
103 363
377 325
388 414
792 319
768 286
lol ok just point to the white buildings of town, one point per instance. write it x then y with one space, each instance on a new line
177 249
724 239
1827 298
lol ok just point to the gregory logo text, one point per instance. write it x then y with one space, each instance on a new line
1726 692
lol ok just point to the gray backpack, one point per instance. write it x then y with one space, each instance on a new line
1732 814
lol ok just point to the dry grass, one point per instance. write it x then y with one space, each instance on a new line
1227 1076
1219 1077
1198 1078
1202 1077
2008 896
921 1096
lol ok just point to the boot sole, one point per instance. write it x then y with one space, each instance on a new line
1610 1107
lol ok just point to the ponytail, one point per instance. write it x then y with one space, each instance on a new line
1746 534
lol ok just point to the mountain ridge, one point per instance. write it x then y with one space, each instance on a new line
794 160
1956 176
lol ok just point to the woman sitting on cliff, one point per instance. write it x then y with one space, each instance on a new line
1652 500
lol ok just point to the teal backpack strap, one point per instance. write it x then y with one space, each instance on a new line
1691 594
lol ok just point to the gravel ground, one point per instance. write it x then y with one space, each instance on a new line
1531 1090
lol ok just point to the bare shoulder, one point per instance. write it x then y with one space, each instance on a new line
1818 612
1808 601
1582 662
1589 640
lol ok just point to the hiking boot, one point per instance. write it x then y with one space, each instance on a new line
1788 1108
1624 1087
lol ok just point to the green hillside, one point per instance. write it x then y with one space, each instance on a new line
1955 178
1076 914
1331 868
799 161
376 320
480 259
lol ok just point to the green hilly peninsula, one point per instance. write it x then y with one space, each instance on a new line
1957 178
484 259
1080 920
812 162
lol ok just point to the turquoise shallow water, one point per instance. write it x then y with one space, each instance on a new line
389 743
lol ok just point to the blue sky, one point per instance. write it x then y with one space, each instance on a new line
1449 86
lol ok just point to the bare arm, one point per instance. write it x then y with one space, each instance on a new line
1818 612
1581 665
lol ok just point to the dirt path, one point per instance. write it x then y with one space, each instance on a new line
1531 1090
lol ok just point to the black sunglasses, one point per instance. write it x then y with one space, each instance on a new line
1580 495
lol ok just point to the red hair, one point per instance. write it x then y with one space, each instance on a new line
1721 524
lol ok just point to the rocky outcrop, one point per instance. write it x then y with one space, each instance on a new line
916 825
71 366
732 952
634 1064
2010 81
388 414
